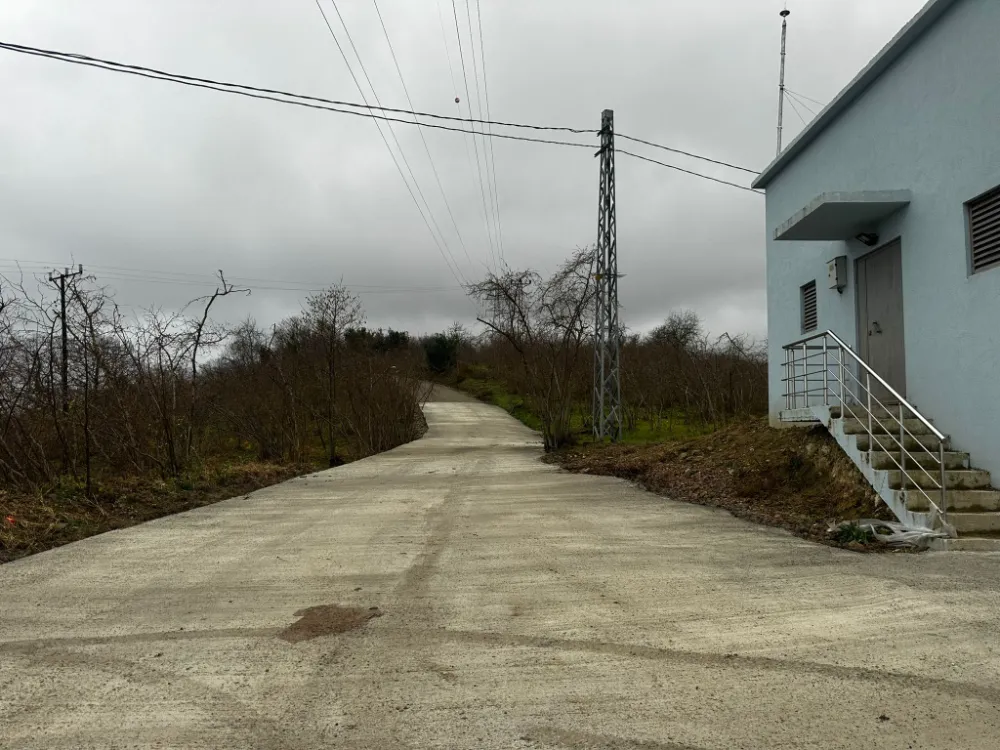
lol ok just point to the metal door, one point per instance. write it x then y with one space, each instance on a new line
880 316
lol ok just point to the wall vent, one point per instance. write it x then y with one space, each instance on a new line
984 230
810 318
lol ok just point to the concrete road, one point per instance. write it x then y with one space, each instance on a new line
521 607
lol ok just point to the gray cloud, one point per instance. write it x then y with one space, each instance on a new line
116 172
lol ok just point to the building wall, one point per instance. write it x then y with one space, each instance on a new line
931 125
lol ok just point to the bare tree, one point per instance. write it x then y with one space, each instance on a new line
681 329
330 313
199 332
546 324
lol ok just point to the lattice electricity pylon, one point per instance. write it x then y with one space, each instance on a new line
607 334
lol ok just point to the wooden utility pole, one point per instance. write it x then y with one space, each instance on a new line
62 278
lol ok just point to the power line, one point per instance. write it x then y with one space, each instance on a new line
688 171
392 132
475 144
301 290
430 158
290 286
447 52
331 105
78 58
299 100
445 251
479 105
486 89
127 273
687 153
454 86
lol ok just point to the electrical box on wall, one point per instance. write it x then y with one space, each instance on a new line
836 270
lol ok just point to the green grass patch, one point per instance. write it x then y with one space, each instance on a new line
495 392
675 426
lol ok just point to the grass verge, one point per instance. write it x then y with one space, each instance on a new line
31 522
50 517
796 479
675 426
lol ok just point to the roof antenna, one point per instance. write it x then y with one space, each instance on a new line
781 83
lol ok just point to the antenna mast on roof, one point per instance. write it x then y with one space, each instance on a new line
781 83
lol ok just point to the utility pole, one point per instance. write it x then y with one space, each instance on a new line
607 334
781 80
62 278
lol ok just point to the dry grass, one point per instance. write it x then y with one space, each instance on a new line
797 479
33 522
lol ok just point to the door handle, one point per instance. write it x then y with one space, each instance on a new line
876 328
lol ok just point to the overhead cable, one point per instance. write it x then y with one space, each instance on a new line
475 143
494 206
445 252
123 273
458 98
282 97
688 171
427 148
687 153
486 89
76 57
332 105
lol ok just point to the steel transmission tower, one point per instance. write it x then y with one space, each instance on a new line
607 333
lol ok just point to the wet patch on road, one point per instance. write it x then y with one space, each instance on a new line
327 619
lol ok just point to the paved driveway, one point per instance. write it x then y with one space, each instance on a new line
518 607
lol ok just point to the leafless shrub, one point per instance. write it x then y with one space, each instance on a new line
678 369
161 392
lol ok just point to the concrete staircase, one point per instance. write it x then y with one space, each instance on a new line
971 502
906 458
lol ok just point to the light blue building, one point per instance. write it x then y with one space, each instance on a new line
883 228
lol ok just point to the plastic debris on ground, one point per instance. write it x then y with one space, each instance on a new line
897 534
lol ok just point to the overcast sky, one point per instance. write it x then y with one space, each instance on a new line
172 183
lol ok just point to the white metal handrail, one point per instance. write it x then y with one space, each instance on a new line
812 379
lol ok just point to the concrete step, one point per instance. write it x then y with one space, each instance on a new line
973 522
954 479
891 460
911 443
966 544
960 500
858 411
886 426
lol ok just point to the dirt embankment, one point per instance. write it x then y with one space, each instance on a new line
797 479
